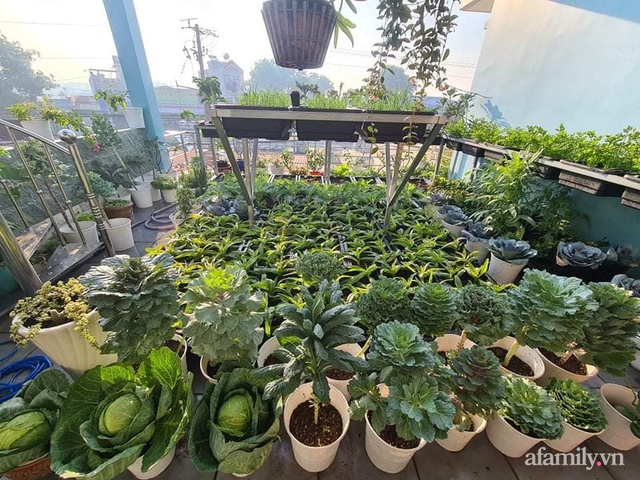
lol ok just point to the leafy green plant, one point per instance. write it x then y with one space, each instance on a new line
209 90
343 170
433 309
114 100
196 177
164 182
516 252
101 188
117 203
113 415
138 301
224 315
387 299
23 111
51 306
28 419
483 314
609 330
580 408
85 217
315 159
318 266
530 409
233 428
185 202
287 158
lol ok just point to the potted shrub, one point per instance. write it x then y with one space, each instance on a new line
115 419
118 208
233 428
138 302
315 161
195 177
26 424
620 407
477 236
581 412
315 414
477 390
276 167
184 198
406 401
167 185
387 299
433 309
314 267
38 118
453 219
287 158
58 320
508 258
526 415
223 318
118 101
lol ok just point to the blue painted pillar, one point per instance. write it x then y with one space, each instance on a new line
135 68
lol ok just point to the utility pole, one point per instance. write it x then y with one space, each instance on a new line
198 47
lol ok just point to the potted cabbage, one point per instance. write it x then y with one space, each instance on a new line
233 428
620 406
453 219
577 254
477 236
508 258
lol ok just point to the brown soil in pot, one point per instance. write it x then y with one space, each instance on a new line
176 347
271 360
390 436
212 369
572 364
337 374
515 365
327 431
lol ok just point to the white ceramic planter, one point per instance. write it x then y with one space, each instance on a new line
342 385
551 370
618 432
524 353
66 347
183 356
156 195
267 349
454 230
136 467
571 438
134 116
120 234
88 228
482 252
315 459
40 127
503 272
169 196
204 362
508 440
450 341
457 440
636 363
142 196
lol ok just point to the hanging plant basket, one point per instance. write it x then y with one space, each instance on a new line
299 31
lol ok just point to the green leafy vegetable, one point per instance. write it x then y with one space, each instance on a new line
434 309
482 314
580 407
386 300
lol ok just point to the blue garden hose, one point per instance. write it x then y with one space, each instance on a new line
16 370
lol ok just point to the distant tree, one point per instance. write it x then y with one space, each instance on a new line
266 75
19 82
398 80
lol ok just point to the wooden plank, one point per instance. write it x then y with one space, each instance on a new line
478 461
631 468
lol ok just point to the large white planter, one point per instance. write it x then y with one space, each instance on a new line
503 272
88 228
136 467
40 127
169 195
551 370
454 230
156 195
450 341
524 353
267 349
355 350
134 116
482 252
66 347
508 440
571 438
618 432
315 459
457 440
141 196
120 234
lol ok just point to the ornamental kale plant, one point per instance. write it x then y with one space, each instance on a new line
318 266
530 409
577 254
579 406
483 314
386 300
609 331
234 429
138 300
113 415
224 316
28 419
433 309
477 232
517 252
453 215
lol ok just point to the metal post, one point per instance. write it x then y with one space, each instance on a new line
387 164
69 137
199 143
15 204
184 150
439 159
254 165
212 147
247 164
16 261
327 161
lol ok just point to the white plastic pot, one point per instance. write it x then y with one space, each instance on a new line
457 440
88 228
141 196
66 347
450 341
551 370
315 459
482 252
454 230
508 440
40 127
527 354
342 385
169 195
204 362
156 195
618 432
134 116
120 234
571 438
503 272
136 467
267 349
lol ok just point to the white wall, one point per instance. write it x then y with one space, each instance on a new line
544 62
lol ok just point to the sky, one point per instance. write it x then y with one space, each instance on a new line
73 36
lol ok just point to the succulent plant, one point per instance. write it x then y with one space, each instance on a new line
453 215
577 254
483 314
517 252
530 409
318 266
386 300
477 232
580 408
433 309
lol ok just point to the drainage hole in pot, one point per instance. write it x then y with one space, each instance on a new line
327 431
337 374
571 364
390 436
515 365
